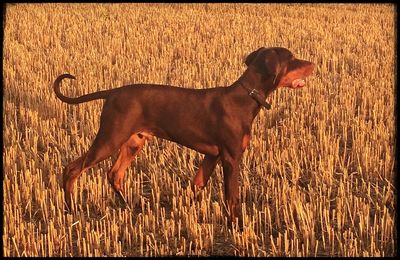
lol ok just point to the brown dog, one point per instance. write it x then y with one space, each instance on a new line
215 121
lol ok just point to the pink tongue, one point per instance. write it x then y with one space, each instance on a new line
298 83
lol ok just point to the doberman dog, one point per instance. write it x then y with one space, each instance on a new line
215 121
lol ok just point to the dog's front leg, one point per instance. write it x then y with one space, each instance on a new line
231 170
205 170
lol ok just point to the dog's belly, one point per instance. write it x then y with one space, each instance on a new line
192 143
184 116
202 148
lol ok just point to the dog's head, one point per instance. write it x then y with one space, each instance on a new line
279 67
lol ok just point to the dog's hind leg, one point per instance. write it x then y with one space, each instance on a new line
127 154
112 134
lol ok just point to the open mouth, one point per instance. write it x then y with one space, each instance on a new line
298 83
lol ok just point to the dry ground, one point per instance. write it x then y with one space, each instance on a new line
317 179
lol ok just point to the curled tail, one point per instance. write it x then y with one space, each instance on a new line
85 98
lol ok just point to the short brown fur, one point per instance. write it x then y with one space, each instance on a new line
216 122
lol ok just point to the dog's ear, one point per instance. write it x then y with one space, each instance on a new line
267 61
249 59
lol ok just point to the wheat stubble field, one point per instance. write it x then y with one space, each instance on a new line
317 178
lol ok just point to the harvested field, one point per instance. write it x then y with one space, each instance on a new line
316 180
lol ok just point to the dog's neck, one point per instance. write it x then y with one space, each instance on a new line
252 80
257 96
256 87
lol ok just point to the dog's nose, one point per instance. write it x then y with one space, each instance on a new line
310 67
